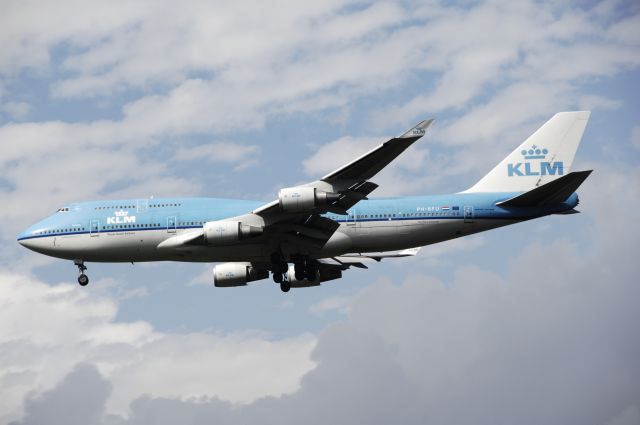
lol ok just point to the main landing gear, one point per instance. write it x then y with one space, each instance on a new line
83 279
279 268
304 268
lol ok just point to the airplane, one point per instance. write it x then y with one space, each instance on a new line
312 233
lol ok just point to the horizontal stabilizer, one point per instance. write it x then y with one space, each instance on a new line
554 192
568 212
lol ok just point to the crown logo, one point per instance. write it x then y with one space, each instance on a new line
534 152
121 213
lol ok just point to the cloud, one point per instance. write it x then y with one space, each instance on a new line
244 155
72 327
547 341
514 63
199 72
16 110
338 304
79 399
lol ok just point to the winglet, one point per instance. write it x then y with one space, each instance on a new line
418 130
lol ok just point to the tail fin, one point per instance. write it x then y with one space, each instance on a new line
546 155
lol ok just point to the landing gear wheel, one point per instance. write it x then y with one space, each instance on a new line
83 280
278 264
278 277
310 274
299 271
285 286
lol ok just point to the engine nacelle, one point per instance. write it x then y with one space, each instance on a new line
226 232
321 276
236 274
301 199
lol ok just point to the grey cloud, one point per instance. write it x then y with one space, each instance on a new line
552 341
79 399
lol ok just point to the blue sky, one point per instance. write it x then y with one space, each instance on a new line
529 323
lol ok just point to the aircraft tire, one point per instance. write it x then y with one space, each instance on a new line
278 278
83 279
285 286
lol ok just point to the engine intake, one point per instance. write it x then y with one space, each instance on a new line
301 199
236 274
226 232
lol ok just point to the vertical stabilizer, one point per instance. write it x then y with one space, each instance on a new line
545 156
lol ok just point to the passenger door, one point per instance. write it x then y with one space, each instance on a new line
468 214
94 228
171 224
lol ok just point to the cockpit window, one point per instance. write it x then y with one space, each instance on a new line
63 209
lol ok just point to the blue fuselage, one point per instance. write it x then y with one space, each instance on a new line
131 230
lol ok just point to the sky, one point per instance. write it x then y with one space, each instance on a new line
532 323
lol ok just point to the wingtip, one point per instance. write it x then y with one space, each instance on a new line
418 130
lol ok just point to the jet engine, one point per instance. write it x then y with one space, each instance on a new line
236 274
225 232
321 276
301 199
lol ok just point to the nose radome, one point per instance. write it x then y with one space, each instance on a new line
23 239
26 239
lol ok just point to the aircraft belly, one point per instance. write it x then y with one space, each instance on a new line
374 237
140 246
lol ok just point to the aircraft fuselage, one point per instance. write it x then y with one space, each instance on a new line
132 230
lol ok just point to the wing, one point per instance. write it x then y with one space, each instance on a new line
343 188
295 217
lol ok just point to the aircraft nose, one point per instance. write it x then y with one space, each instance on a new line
23 239
26 238
25 242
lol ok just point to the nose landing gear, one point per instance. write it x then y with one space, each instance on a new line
83 279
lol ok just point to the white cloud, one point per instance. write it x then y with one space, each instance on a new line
16 110
591 102
548 341
442 253
244 155
315 57
549 338
507 44
72 326
337 304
